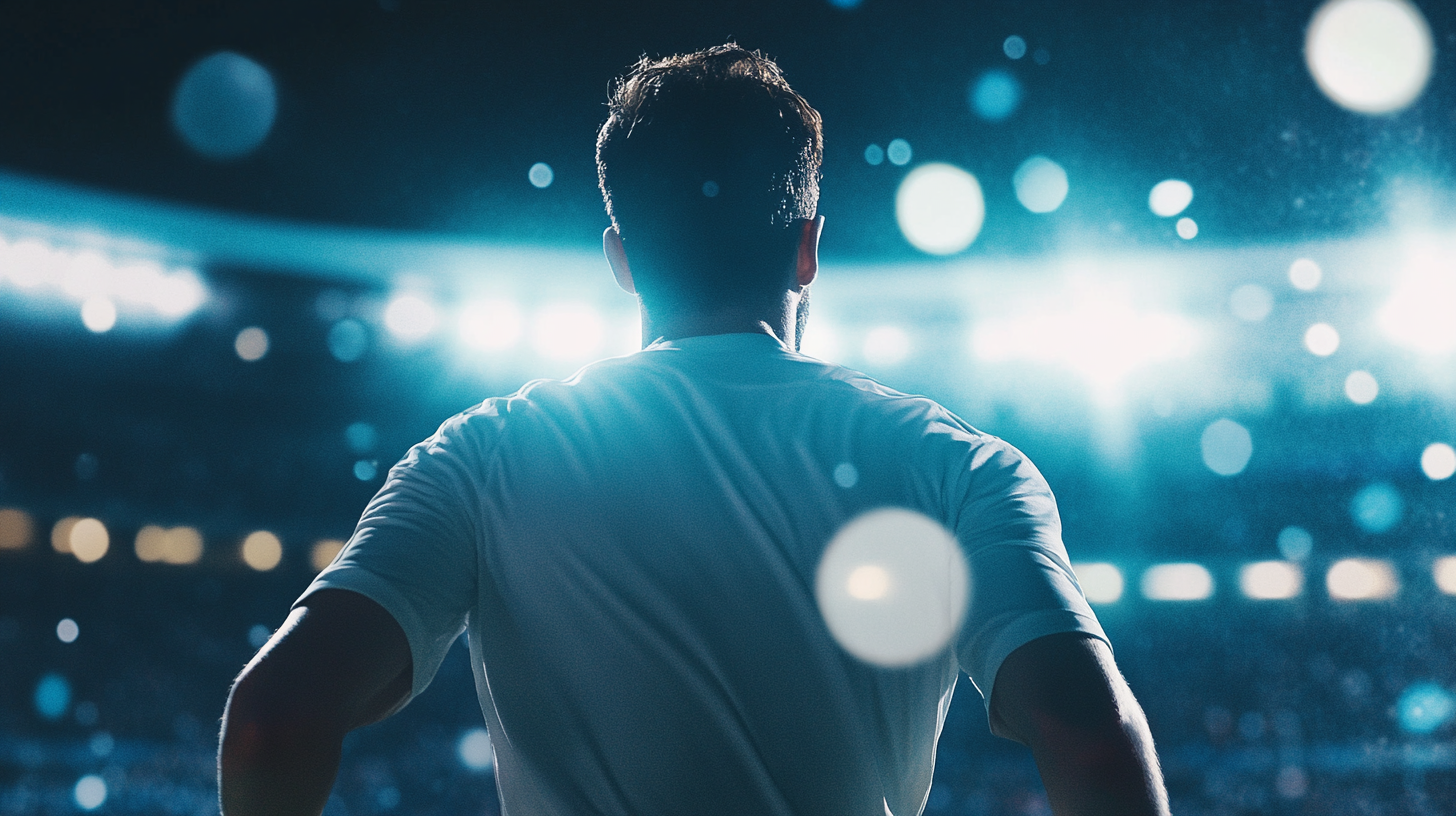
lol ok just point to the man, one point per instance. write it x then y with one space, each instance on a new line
633 550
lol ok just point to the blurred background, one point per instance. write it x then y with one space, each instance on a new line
1198 260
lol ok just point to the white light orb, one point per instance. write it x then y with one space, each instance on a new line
820 340
1438 461
1187 229
1251 302
1041 184
89 540
893 587
1227 447
1101 583
1170 197
540 175
1177 582
1305 275
886 345
410 317
568 331
940 208
490 325
90 792
225 106
1369 56
1421 312
98 314
251 344
1271 580
475 750
1443 570
67 631
1321 339
1361 387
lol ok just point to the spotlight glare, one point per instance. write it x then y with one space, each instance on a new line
99 314
490 325
567 331
1421 313
886 345
410 317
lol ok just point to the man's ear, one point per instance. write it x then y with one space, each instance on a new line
617 259
806 267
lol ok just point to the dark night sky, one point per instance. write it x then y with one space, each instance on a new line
425 115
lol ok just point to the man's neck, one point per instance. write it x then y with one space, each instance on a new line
776 320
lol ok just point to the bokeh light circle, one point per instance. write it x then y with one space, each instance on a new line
262 550
892 587
940 208
1014 47
225 105
995 95
1438 461
1041 184
90 792
1295 543
475 750
1424 707
1321 339
899 152
1377 508
1187 229
1227 447
541 175
1305 275
251 344
1170 197
1361 387
1369 56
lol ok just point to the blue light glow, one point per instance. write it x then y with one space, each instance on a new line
362 437
899 152
874 155
1227 447
995 95
1377 508
1424 707
1014 47
348 340
225 106
541 175
52 696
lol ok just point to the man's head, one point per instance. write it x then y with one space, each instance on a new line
709 166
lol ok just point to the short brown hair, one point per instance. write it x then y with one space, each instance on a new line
706 162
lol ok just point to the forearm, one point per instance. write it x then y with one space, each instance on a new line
1111 770
275 767
1063 697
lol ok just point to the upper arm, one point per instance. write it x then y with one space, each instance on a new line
1056 685
1022 585
340 661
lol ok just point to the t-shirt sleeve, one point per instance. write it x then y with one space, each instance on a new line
1022 586
414 550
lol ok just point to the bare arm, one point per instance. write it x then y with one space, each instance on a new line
339 662
1063 697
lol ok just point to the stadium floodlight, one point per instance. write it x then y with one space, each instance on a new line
1361 579
1100 337
1102 583
1177 582
1271 580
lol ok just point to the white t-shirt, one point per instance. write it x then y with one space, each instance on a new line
633 552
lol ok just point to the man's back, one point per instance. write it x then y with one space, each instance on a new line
636 549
